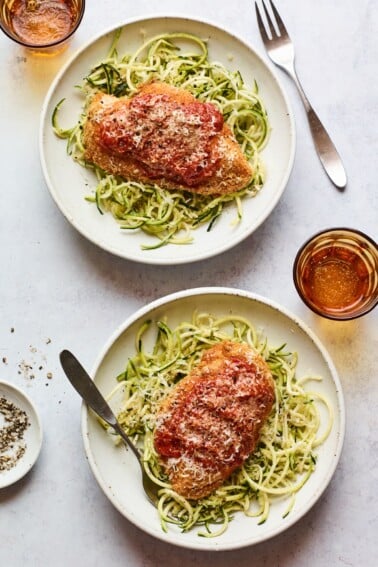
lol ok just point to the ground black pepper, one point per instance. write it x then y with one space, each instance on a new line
12 428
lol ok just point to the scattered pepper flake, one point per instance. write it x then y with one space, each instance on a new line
26 369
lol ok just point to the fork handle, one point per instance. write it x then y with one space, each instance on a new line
325 148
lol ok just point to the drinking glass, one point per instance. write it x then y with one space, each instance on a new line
41 25
336 273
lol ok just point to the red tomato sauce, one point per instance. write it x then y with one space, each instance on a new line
169 139
193 428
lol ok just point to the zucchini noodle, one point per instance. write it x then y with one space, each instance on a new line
170 216
284 458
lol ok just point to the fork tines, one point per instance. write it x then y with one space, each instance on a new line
274 25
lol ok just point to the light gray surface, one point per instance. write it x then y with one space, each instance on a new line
58 291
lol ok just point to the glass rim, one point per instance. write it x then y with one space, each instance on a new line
41 46
338 229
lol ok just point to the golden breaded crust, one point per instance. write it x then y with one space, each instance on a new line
211 421
232 174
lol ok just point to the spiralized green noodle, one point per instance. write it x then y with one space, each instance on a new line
170 216
284 458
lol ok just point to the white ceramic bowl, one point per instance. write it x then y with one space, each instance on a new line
69 183
32 436
117 470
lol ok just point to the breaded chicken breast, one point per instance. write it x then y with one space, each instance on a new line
211 421
164 135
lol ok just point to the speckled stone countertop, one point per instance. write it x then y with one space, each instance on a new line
59 291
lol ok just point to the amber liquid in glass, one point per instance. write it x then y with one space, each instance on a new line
335 279
41 22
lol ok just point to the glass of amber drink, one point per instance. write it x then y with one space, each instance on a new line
41 25
336 273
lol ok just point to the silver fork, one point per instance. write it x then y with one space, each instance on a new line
281 51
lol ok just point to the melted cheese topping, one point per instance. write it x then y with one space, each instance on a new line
212 423
170 139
